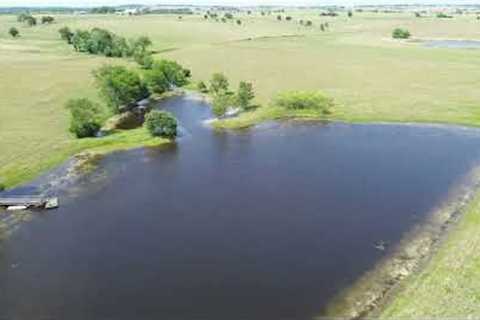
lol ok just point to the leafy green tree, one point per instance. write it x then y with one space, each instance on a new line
239 22
322 27
202 87
228 15
144 59
220 104
350 13
279 18
165 74
161 124
119 86
14 32
31 21
84 117
309 23
141 44
245 94
47 19
22 17
219 83
66 34
400 33
288 18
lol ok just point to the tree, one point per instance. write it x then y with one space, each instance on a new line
400 33
165 74
47 19
80 40
22 17
245 94
308 23
66 34
141 44
288 18
228 15
218 83
161 124
202 87
84 117
239 22
322 27
220 104
31 21
350 13
144 59
120 86
13 32
279 18
418 15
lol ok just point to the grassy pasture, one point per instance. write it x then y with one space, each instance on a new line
370 76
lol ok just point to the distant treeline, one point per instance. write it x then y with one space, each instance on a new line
176 11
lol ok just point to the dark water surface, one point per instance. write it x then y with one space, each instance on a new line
265 224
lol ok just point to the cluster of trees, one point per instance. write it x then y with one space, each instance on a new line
301 100
27 19
32 21
121 88
103 10
223 98
47 19
400 33
103 42
329 14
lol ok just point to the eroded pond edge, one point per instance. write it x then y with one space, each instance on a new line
373 291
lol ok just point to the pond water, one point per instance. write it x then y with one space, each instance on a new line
453 44
268 223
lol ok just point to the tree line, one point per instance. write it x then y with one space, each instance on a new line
100 41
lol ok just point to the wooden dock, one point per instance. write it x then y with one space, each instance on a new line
29 201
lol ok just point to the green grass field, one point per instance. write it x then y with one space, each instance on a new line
370 76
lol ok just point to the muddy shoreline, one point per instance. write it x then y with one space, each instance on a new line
370 294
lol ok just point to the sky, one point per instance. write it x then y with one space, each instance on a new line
90 3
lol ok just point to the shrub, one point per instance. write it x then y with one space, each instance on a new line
309 23
85 120
245 94
13 32
47 19
442 15
144 59
66 34
301 100
161 124
202 87
228 16
218 83
120 86
239 22
350 13
401 33
288 18
279 18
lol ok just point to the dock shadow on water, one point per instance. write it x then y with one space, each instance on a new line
270 223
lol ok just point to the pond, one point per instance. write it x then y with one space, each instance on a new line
268 223
453 44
